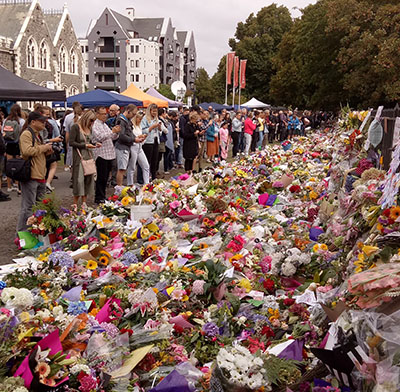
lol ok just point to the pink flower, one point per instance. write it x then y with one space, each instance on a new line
175 204
151 324
88 383
198 287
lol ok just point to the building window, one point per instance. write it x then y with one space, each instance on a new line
132 64
72 64
144 78
43 53
87 78
137 48
137 64
132 49
137 78
144 63
63 59
83 49
31 53
106 19
132 78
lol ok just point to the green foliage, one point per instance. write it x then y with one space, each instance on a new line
165 89
257 40
278 369
204 92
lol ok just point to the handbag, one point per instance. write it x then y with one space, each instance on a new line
19 169
88 165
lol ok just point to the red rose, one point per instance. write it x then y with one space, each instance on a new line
267 331
59 230
288 301
113 234
386 212
45 201
269 285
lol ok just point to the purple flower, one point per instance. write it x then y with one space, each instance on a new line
210 329
39 213
63 259
129 258
77 308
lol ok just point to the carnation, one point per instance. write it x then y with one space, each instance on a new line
76 369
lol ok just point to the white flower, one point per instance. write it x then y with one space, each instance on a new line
21 389
17 298
288 269
43 314
80 368
58 311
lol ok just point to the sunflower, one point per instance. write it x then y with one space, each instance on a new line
127 200
203 245
43 369
395 212
324 247
104 258
91 264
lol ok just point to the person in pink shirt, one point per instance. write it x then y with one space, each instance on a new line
249 127
224 140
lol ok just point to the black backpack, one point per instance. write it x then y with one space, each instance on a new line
11 130
19 169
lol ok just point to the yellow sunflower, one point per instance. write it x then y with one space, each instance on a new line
394 212
91 264
104 258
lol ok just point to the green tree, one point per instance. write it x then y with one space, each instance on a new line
257 40
307 74
369 56
203 86
165 89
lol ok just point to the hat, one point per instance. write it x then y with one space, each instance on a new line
35 116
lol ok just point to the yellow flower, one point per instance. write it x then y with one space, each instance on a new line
24 316
104 237
186 227
315 248
360 262
324 247
125 191
245 283
91 264
127 200
379 227
147 269
313 195
369 250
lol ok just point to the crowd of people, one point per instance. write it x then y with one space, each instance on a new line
108 146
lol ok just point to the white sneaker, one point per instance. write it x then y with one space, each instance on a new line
10 189
49 187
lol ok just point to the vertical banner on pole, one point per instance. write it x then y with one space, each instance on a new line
243 64
230 58
235 78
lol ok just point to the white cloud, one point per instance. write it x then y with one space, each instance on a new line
213 21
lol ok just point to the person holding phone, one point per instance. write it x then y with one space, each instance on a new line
105 154
151 126
81 141
137 153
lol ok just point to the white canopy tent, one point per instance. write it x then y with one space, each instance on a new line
255 104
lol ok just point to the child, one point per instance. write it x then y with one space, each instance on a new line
224 140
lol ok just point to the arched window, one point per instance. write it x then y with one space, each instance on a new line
72 65
63 59
73 90
31 53
43 53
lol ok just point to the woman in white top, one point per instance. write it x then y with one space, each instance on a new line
137 153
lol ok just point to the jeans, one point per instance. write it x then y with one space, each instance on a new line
247 139
31 191
260 139
138 157
242 142
236 139
179 153
103 167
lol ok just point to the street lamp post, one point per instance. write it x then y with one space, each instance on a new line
115 61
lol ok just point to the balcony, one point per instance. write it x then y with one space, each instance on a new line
105 85
104 70
105 56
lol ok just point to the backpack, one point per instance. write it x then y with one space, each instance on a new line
19 169
11 130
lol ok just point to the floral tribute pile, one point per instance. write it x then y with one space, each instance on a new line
277 272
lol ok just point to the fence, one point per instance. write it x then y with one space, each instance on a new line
388 118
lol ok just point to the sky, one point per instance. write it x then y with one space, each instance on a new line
212 21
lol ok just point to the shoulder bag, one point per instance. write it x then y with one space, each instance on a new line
88 165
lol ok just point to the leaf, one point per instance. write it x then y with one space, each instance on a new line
234 301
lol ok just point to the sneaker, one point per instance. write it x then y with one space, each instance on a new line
4 197
49 187
9 190
66 168
167 172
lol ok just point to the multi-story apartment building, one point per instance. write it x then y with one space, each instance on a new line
146 51
40 46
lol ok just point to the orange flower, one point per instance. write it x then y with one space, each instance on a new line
43 369
48 381
394 212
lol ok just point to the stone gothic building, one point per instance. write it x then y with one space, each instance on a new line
40 45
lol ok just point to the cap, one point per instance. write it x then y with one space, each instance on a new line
35 116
